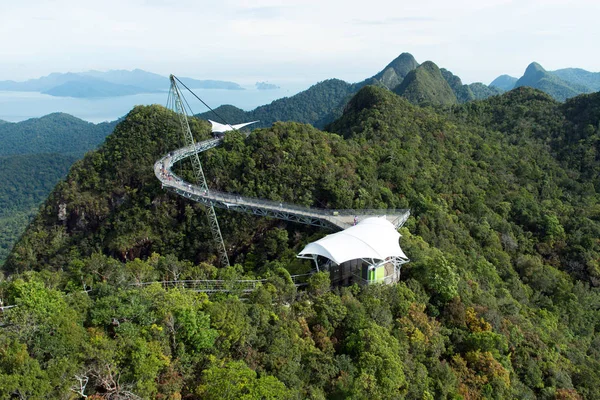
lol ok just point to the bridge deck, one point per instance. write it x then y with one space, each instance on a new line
331 219
214 285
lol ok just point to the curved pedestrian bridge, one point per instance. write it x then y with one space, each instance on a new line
330 219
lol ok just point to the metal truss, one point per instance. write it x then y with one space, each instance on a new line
211 199
197 166
329 219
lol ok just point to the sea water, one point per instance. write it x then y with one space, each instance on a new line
19 106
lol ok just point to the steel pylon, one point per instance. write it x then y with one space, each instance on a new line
198 172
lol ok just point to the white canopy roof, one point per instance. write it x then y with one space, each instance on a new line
373 237
221 128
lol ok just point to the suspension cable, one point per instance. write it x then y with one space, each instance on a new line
202 101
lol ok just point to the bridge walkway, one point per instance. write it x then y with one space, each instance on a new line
215 285
330 219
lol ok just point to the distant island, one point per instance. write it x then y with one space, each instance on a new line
113 83
266 86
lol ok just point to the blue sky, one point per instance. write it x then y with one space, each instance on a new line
295 40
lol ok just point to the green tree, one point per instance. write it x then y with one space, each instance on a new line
234 380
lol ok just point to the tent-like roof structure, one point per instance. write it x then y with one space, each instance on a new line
222 128
373 238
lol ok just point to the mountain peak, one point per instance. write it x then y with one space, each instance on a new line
504 82
533 67
404 62
430 66
393 74
426 85
537 77
535 71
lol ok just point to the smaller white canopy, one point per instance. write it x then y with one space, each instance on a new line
220 128
374 237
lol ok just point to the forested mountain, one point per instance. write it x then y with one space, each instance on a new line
25 182
462 92
504 82
53 133
34 155
324 102
560 84
500 299
537 77
482 92
318 105
473 91
394 73
581 77
427 86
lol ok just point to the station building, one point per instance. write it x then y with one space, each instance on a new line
366 253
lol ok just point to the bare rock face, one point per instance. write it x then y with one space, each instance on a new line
62 212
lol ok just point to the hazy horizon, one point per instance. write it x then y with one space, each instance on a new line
20 106
307 40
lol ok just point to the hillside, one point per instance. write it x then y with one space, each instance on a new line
394 73
580 77
482 92
35 154
462 92
560 84
323 103
426 86
538 78
500 299
504 82
318 105
53 133
25 183
579 145
470 92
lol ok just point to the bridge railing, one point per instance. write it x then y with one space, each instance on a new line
223 285
238 199
235 199
208 285
302 280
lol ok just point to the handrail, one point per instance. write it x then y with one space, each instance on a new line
223 285
341 218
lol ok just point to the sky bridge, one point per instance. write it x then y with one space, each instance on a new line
329 219
373 260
